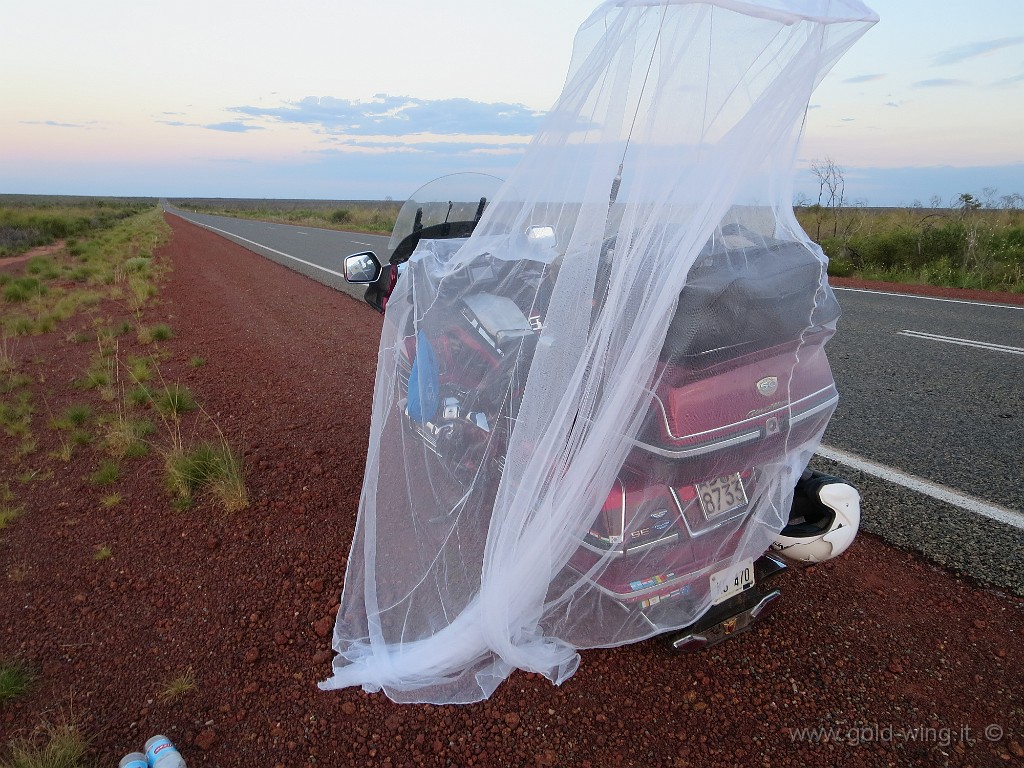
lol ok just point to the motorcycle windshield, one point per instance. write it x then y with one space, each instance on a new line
456 199
590 415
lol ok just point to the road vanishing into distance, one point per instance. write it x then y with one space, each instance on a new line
930 423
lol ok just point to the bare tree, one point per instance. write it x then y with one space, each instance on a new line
1012 202
831 190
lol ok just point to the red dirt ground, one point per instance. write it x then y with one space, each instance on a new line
966 294
910 664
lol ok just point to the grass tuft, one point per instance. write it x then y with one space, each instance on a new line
162 332
178 686
76 415
15 678
21 289
107 474
63 747
140 369
139 395
8 360
215 468
175 400
126 438
16 417
150 334
99 375
8 514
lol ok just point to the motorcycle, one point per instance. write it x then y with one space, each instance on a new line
741 379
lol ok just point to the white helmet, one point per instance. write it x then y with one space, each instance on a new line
822 522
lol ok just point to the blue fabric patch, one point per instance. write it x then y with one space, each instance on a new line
424 385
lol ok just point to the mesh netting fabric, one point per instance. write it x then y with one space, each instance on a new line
604 396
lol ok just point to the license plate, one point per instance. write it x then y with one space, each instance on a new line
732 581
722 495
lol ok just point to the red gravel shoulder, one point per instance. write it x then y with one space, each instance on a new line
964 294
878 645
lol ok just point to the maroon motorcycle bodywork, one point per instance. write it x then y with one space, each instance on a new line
742 379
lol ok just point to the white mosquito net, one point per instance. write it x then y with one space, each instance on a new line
599 403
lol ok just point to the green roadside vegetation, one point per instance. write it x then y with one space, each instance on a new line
58 746
92 301
110 270
349 215
30 222
53 746
963 246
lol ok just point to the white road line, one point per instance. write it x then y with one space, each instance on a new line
930 298
272 250
360 242
962 342
920 485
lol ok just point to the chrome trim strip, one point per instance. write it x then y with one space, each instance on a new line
746 437
764 602
622 518
830 403
690 638
616 552
683 453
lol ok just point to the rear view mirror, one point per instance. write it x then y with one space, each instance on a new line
362 267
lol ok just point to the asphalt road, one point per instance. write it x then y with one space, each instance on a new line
931 392
938 408
316 253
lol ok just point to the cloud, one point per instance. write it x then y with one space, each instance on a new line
233 126
863 78
386 115
938 82
894 103
436 148
962 52
58 124
1008 81
502 151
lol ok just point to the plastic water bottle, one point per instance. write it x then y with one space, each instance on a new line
161 753
134 760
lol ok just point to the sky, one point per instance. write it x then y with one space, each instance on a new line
366 99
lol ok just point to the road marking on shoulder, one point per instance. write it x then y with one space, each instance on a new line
920 485
962 342
930 298
360 242
268 248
